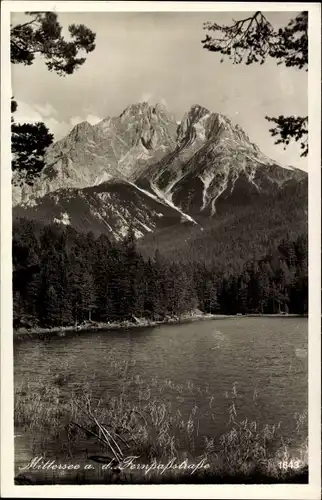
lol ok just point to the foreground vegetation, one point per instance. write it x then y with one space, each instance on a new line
99 428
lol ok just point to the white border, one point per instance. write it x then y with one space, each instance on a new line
313 489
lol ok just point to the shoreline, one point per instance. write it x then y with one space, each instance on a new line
22 333
62 331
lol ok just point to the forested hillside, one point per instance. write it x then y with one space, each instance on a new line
61 277
236 234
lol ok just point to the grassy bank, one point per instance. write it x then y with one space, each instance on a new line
75 424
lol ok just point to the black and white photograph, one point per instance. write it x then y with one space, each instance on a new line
160 225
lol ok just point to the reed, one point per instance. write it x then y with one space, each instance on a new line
139 420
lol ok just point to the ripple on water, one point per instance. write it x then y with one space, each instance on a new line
266 356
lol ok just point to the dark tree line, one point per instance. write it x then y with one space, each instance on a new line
61 277
275 284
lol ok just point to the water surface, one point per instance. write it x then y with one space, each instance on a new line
265 359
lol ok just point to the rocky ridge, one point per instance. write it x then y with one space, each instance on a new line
126 169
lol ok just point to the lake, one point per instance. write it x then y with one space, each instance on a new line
262 361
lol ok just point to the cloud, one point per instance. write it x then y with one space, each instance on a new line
47 114
146 97
45 110
59 129
164 103
37 113
27 114
92 119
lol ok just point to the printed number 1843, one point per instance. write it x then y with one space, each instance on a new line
290 464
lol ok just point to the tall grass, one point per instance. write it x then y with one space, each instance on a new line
138 420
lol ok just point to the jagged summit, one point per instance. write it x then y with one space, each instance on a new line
214 160
196 109
200 122
81 130
84 125
116 147
137 108
191 167
146 109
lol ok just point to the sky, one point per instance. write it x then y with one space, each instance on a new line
158 57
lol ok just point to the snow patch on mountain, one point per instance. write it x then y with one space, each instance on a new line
105 177
183 166
160 194
220 191
147 228
206 177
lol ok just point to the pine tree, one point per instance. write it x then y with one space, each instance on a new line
66 277
151 298
41 36
242 295
51 312
29 142
264 290
254 39
210 296
88 294
162 280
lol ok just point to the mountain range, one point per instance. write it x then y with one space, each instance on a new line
143 169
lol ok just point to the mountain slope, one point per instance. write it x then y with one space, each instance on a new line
111 149
214 161
110 208
142 169
236 234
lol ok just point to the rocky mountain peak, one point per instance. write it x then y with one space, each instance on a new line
195 114
84 125
143 112
214 161
200 123
138 108
79 135
81 129
192 124
197 111
191 166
